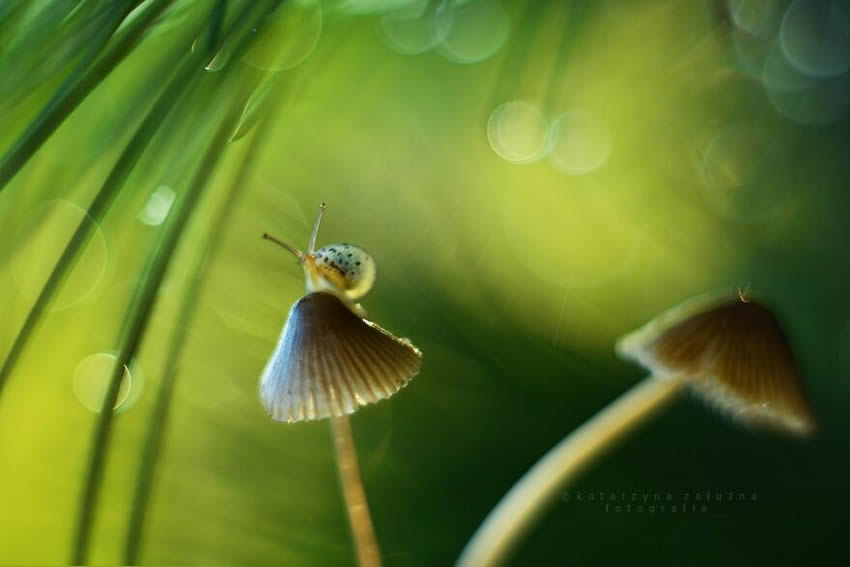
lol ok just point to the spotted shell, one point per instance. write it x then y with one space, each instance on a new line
351 268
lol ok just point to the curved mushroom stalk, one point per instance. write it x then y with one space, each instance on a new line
516 512
730 351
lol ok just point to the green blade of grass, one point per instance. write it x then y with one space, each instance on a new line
138 314
135 323
38 40
102 202
164 104
256 106
162 405
78 85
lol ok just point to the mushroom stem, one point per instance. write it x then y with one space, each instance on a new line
515 513
356 505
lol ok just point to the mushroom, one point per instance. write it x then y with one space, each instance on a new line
330 360
729 349
731 352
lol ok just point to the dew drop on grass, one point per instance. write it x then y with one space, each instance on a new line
90 382
218 61
288 37
157 206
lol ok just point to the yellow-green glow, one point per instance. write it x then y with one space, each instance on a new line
645 164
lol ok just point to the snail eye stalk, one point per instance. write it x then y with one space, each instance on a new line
292 249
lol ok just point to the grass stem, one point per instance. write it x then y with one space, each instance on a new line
77 86
159 419
137 318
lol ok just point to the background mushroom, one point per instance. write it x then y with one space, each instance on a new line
730 350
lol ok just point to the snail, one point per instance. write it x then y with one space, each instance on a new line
330 359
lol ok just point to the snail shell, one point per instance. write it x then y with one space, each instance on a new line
345 268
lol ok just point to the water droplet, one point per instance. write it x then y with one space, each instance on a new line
517 132
90 382
581 142
288 36
479 28
157 206
219 61
39 243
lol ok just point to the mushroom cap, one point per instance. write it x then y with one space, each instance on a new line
329 361
732 351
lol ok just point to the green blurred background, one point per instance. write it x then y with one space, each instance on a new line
534 179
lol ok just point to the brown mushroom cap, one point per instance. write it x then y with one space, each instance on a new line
733 353
329 361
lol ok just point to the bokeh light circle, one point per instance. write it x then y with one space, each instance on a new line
750 52
517 132
90 382
742 180
733 167
479 28
288 37
39 243
416 27
581 142
815 37
802 98
756 17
